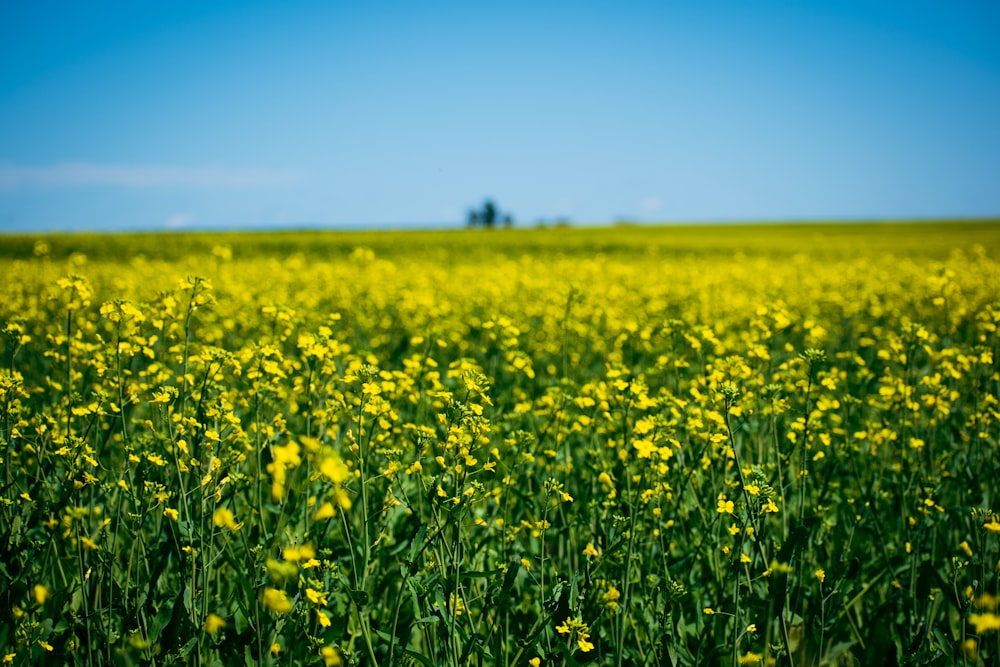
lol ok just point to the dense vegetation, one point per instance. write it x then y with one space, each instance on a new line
629 446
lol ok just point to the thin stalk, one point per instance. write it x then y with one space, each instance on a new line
69 368
362 581
781 476
803 460
627 577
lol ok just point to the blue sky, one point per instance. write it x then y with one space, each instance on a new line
152 115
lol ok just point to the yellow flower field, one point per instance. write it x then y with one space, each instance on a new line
624 446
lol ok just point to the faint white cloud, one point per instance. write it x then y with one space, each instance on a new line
178 221
562 207
75 174
651 204
452 213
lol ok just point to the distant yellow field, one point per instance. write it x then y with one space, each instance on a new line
615 446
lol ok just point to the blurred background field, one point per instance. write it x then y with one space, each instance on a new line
834 239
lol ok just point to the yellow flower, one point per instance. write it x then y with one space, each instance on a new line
992 526
330 656
334 469
985 622
224 517
9 658
277 601
316 597
750 658
45 645
590 550
323 619
325 511
709 611
160 397
576 628
645 447
725 506
535 662
343 498
456 604
611 597
304 552
275 648
41 594
171 514
214 623
280 570
821 575
156 460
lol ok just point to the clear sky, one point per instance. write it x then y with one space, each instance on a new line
188 114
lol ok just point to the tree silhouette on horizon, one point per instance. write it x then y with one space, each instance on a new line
488 215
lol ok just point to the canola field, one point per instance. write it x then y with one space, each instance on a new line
748 445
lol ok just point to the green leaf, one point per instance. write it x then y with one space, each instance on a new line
508 583
359 597
419 658
837 650
416 548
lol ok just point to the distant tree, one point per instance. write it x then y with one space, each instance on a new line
488 215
